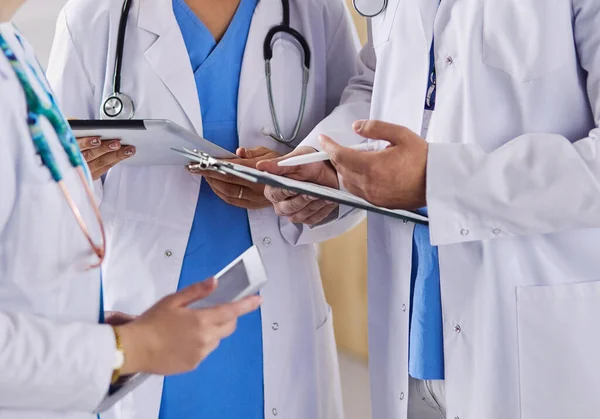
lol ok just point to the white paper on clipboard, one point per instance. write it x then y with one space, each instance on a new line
208 162
152 138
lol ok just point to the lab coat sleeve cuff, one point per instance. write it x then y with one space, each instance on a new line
54 366
101 342
449 167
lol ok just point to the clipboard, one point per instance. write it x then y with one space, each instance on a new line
208 162
152 138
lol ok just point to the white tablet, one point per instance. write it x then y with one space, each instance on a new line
242 278
152 138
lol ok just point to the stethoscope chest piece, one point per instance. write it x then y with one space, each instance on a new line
370 8
117 106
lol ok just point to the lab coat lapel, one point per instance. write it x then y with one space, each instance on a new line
268 13
428 10
168 57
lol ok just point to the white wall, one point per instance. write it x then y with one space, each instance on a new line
36 19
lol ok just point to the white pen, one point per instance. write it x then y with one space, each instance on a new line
321 156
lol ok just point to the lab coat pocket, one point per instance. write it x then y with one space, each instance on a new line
329 382
383 23
559 337
527 39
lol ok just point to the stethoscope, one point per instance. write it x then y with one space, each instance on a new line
370 8
120 106
37 109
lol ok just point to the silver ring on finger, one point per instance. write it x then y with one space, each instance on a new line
241 194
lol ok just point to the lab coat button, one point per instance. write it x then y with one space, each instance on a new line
457 328
464 232
267 241
168 253
449 60
274 411
275 326
401 396
403 307
497 231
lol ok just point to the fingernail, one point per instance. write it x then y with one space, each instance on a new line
323 141
114 146
130 152
312 198
358 125
95 141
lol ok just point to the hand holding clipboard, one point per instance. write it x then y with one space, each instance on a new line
206 162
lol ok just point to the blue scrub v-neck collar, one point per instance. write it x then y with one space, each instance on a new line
212 48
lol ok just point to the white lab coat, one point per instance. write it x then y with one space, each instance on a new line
55 361
149 211
513 194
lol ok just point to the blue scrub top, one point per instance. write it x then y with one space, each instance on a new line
426 341
229 383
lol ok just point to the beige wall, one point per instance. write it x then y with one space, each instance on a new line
344 270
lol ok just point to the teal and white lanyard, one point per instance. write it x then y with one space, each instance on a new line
38 108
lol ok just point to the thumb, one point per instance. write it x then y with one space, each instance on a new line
191 294
379 130
343 158
272 165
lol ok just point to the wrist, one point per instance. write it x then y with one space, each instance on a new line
133 349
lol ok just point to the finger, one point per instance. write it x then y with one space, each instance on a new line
87 143
272 165
252 163
227 329
250 199
276 195
191 294
294 205
320 215
252 153
308 211
104 148
229 190
97 174
230 179
346 158
226 313
104 162
379 130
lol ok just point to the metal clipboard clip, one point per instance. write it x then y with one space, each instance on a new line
205 161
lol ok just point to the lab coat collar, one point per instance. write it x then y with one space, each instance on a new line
428 9
267 14
168 56
156 16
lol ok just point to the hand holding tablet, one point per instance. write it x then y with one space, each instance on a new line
240 279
